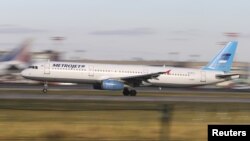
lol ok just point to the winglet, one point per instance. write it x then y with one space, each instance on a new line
168 72
224 59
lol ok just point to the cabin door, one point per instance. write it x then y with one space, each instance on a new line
145 71
91 71
203 76
47 68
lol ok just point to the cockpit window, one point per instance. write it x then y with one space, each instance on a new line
33 67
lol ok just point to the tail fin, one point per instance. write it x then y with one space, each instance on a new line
21 53
224 59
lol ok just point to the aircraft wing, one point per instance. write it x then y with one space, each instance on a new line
136 80
228 76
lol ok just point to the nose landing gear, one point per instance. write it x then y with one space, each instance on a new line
45 88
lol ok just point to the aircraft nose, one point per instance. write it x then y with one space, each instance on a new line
25 73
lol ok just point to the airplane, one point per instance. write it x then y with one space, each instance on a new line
15 60
127 77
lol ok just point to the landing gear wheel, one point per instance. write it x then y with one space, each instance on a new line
125 92
133 92
45 90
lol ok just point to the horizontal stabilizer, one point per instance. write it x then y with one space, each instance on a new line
228 76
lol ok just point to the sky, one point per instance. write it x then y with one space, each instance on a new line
127 29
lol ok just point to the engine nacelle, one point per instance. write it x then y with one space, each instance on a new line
109 85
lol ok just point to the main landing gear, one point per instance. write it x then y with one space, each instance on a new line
45 88
127 92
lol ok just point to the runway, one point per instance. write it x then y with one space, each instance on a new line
4 86
197 99
145 94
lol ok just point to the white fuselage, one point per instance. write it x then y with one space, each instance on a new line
95 73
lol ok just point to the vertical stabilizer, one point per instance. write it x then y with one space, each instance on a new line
21 53
224 59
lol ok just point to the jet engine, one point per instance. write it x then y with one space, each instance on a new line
109 85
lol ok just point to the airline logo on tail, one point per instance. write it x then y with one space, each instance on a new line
224 59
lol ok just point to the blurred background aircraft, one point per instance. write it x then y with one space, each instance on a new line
16 60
